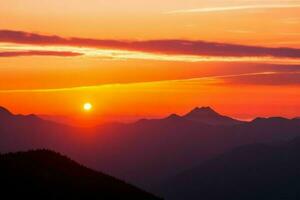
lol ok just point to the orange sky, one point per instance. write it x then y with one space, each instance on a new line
134 59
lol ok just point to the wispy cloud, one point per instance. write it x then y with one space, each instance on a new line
234 8
275 79
290 33
240 31
294 20
256 78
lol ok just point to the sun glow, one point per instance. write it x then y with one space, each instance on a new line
87 106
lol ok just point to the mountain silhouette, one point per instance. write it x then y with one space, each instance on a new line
26 132
150 151
203 115
147 152
4 112
6 115
209 116
44 174
250 172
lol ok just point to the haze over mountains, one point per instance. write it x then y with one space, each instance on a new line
256 171
150 151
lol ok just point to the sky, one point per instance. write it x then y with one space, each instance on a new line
134 59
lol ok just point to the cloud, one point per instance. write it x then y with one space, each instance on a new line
271 78
199 81
234 8
37 53
165 47
278 75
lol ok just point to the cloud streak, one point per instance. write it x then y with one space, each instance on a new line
269 79
234 8
146 49
38 53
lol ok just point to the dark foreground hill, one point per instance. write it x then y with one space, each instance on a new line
257 172
43 174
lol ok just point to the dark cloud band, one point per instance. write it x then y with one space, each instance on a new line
37 53
173 47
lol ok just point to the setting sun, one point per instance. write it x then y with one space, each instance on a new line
87 106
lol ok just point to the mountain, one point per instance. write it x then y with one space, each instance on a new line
44 174
24 132
203 115
6 115
256 171
147 152
4 112
151 151
209 116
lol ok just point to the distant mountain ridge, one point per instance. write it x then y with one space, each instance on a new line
43 174
149 151
6 115
204 115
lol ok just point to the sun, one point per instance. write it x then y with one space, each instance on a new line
87 106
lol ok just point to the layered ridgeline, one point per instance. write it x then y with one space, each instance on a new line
250 172
44 174
147 152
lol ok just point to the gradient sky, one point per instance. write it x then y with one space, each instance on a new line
133 58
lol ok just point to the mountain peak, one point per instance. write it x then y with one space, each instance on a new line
6 114
173 117
4 111
209 116
203 111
